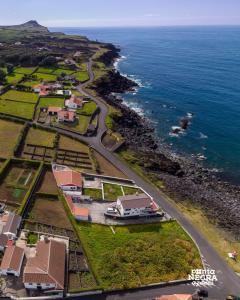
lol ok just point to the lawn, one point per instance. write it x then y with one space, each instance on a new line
128 190
45 70
49 211
32 238
47 101
8 129
46 77
40 137
112 191
60 71
88 108
14 78
71 144
26 71
95 194
23 110
138 254
81 76
83 124
20 96
31 83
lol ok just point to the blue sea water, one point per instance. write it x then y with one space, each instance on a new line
182 70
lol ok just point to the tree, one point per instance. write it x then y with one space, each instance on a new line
2 76
49 61
10 69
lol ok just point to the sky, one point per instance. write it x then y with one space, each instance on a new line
101 13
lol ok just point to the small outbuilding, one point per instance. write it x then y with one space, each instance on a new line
12 261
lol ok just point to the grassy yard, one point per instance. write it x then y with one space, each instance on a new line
95 194
40 137
112 191
138 254
47 101
20 96
14 78
82 124
27 71
60 71
18 109
88 108
8 129
81 76
46 77
128 190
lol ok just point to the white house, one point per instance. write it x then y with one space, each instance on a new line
68 180
74 102
12 225
64 92
46 270
135 205
12 261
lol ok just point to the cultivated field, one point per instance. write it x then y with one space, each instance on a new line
49 210
8 129
137 255
20 96
14 78
71 144
46 77
26 71
18 109
40 137
48 183
49 101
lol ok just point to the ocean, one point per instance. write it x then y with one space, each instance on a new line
191 72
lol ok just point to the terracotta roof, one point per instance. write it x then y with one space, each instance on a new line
68 177
3 240
80 211
66 115
75 99
175 297
54 109
12 223
12 258
135 201
48 266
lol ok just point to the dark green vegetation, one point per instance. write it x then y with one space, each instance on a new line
32 238
138 254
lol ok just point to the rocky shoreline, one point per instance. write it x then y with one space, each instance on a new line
183 179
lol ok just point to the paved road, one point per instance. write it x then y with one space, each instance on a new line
228 281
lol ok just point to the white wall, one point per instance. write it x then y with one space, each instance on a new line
69 187
34 285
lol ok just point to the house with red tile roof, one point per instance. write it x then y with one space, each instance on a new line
3 241
74 102
53 110
68 180
46 270
42 89
12 261
66 116
79 213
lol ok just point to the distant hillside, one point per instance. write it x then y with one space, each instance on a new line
32 26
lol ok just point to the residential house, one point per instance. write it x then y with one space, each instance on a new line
3 241
67 93
46 270
68 180
12 225
66 116
135 205
74 102
79 213
53 110
42 89
12 261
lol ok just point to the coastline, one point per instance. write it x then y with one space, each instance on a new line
183 179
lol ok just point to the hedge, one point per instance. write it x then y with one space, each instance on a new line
21 139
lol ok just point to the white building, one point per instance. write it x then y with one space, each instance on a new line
12 261
74 102
12 225
135 205
47 269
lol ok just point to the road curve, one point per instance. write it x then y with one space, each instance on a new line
228 281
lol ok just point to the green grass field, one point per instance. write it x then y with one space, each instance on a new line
128 190
14 78
45 102
31 83
46 77
20 96
45 70
95 194
112 191
88 108
18 109
82 124
26 71
138 254
60 71
81 76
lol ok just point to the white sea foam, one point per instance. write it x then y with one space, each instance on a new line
203 136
